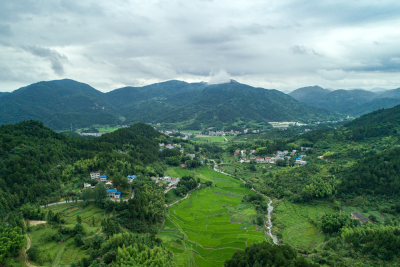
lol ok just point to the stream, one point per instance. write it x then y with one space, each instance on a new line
270 209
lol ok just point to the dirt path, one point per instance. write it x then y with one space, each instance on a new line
28 245
34 223
182 198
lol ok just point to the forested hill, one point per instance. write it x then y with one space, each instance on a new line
64 102
57 104
226 103
35 161
350 102
380 123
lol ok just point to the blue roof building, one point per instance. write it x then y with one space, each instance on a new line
170 147
302 156
111 190
103 176
131 178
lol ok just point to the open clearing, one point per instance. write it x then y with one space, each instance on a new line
212 224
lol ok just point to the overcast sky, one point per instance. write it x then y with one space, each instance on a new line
274 44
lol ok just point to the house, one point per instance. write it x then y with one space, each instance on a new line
293 152
279 157
236 153
86 185
360 217
268 160
181 150
131 178
169 147
174 181
183 165
103 178
260 160
305 148
282 153
95 175
252 157
154 179
109 183
201 162
165 179
111 192
300 161
117 194
161 145
302 156
252 151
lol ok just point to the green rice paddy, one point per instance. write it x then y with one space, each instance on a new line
212 224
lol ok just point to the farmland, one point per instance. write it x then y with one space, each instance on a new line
212 223
65 252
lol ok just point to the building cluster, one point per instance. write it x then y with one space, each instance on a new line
112 193
172 182
169 146
91 134
280 155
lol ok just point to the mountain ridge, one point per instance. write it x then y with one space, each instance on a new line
60 103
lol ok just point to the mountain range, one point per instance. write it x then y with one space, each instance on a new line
61 103
354 102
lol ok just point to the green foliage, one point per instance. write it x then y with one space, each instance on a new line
33 253
11 242
185 184
332 223
266 254
141 256
377 175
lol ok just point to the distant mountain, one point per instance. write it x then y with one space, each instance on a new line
64 102
57 104
349 102
309 94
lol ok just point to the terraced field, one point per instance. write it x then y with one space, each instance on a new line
212 224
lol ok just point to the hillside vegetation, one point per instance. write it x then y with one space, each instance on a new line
64 103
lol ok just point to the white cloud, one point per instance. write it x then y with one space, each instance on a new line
221 77
332 75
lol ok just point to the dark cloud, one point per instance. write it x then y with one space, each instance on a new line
55 58
274 44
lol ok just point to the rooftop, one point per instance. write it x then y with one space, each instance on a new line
111 190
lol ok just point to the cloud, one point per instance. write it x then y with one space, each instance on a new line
221 77
302 50
332 75
5 30
55 58
395 60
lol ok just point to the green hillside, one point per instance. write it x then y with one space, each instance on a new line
60 104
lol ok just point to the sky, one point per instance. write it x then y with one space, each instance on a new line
273 44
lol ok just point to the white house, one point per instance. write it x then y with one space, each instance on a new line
103 178
260 160
131 178
161 144
299 161
155 179
191 155
95 175
269 160
165 179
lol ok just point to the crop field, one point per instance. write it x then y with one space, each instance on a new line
209 139
294 222
64 253
206 174
212 224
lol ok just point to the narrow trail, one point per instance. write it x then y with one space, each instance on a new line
188 193
28 245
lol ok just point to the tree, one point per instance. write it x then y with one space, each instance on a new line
78 240
100 193
79 219
33 253
11 242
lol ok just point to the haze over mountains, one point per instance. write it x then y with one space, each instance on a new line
61 103
348 102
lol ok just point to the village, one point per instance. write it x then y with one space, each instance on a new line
280 155
114 194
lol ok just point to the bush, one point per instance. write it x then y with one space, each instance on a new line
33 253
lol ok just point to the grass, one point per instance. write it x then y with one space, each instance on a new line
64 253
212 224
295 223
